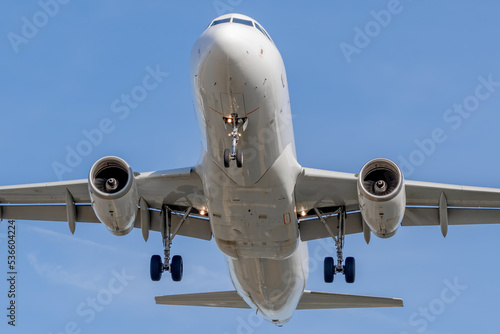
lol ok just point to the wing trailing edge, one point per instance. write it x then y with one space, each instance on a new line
312 300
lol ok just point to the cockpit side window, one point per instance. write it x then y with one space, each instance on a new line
241 21
220 21
262 31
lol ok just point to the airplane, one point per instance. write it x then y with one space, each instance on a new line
249 193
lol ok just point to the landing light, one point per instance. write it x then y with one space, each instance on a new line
303 213
203 212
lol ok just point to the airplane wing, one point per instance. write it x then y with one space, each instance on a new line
328 190
179 189
310 300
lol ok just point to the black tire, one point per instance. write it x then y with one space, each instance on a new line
239 158
329 270
227 158
350 270
156 268
177 268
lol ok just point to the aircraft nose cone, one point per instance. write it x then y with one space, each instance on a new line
227 46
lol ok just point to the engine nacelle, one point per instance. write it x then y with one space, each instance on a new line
113 194
382 196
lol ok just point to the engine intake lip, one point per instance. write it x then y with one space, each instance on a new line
380 165
106 164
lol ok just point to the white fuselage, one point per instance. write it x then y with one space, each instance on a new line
235 68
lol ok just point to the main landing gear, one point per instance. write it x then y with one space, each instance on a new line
234 153
330 269
157 266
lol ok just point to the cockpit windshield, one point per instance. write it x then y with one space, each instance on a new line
221 21
241 21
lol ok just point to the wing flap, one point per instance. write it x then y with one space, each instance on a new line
456 216
84 213
193 227
312 300
229 299
312 229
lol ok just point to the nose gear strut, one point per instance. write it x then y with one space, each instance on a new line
234 153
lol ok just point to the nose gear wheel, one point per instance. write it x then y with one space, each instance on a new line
234 153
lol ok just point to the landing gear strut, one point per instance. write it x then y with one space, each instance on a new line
330 269
157 266
234 153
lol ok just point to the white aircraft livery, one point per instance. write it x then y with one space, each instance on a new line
252 196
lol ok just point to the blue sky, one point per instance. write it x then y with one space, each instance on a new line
383 98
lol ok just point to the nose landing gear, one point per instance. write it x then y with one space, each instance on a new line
234 153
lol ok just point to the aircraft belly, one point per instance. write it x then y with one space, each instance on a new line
274 287
258 220
253 230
